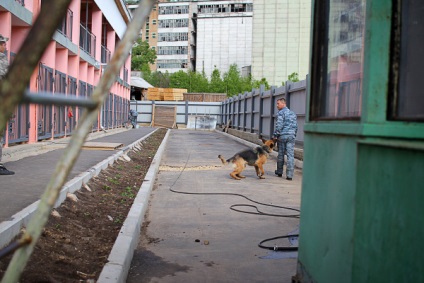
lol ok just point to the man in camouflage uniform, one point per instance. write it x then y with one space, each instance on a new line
4 65
285 134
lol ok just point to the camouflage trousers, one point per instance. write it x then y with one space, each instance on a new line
286 147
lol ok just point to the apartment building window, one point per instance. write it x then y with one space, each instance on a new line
153 34
154 8
153 22
225 8
173 23
173 36
171 64
170 10
172 50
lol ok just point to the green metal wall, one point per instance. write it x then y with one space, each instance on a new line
362 204
327 210
389 211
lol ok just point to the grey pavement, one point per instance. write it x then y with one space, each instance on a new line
186 237
196 237
20 192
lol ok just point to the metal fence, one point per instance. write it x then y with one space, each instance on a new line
185 109
251 112
255 111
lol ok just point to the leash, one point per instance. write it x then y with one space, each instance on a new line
258 212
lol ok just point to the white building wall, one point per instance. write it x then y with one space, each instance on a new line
111 12
223 41
281 39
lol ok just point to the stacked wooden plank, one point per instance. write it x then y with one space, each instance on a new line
205 97
174 94
155 93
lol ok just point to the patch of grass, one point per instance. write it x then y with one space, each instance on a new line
114 180
106 188
128 193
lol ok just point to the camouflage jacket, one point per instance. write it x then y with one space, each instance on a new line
4 65
286 124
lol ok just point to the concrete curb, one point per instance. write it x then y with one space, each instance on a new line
9 229
116 270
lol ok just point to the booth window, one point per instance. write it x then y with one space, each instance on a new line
337 70
407 97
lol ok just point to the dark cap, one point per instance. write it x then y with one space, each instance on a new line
3 39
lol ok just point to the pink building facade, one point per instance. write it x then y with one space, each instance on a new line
72 65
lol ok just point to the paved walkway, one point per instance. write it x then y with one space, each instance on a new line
19 192
196 237
189 237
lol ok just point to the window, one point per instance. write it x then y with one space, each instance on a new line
407 99
338 60
153 34
173 36
172 64
153 22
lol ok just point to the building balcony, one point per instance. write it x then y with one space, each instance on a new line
87 41
66 27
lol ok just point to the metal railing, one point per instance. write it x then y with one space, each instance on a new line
66 27
125 75
87 41
105 54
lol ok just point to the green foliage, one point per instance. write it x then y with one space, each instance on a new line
158 79
231 82
142 56
293 77
179 79
216 84
263 81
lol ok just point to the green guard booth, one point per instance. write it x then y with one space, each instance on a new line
362 205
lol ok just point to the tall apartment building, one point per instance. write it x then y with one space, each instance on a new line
200 35
267 38
71 65
149 31
281 39
173 41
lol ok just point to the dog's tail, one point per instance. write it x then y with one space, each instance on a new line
223 159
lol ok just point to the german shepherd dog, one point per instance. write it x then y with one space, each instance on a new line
253 157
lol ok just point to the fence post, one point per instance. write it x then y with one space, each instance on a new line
261 105
287 94
252 110
272 112
186 112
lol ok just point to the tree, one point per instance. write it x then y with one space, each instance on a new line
232 81
216 84
257 84
293 77
158 79
179 79
142 56
198 82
